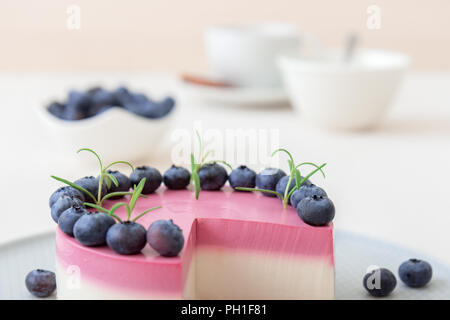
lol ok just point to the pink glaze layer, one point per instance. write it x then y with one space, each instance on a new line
239 221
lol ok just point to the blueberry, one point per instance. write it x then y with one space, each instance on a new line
212 176
63 203
90 229
101 97
176 178
268 179
91 185
67 191
152 175
57 109
415 273
126 238
379 282
69 217
123 180
282 184
77 106
159 109
316 210
304 192
41 283
165 237
123 96
242 177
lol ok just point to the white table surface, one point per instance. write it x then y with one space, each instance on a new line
392 183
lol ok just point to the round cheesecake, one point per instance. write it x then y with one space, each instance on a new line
238 245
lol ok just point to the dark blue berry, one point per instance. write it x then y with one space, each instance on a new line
67 191
415 273
282 184
91 185
304 192
242 176
63 203
126 238
160 109
41 283
165 237
176 178
316 210
101 100
152 175
123 96
379 282
69 217
57 109
123 180
268 179
90 229
77 106
212 176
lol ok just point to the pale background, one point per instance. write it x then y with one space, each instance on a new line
167 34
391 183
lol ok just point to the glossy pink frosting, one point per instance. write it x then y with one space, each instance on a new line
243 221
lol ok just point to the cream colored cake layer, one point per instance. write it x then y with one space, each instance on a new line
217 273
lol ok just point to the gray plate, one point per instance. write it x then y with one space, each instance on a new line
353 254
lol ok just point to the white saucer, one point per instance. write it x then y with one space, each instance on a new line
353 254
247 97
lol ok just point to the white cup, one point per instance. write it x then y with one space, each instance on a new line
336 94
245 55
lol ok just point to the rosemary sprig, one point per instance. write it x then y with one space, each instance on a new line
103 176
196 165
128 206
294 173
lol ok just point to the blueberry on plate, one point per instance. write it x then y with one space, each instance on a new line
41 283
176 178
379 282
69 217
415 273
316 210
165 237
91 185
126 238
67 191
267 179
91 228
212 176
63 203
243 177
152 175
124 183
304 192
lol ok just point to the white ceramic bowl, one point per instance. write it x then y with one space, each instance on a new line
115 134
339 95
245 55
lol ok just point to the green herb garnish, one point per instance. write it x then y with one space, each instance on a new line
129 206
294 173
196 165
103 176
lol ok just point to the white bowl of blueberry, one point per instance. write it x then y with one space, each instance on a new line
118 123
